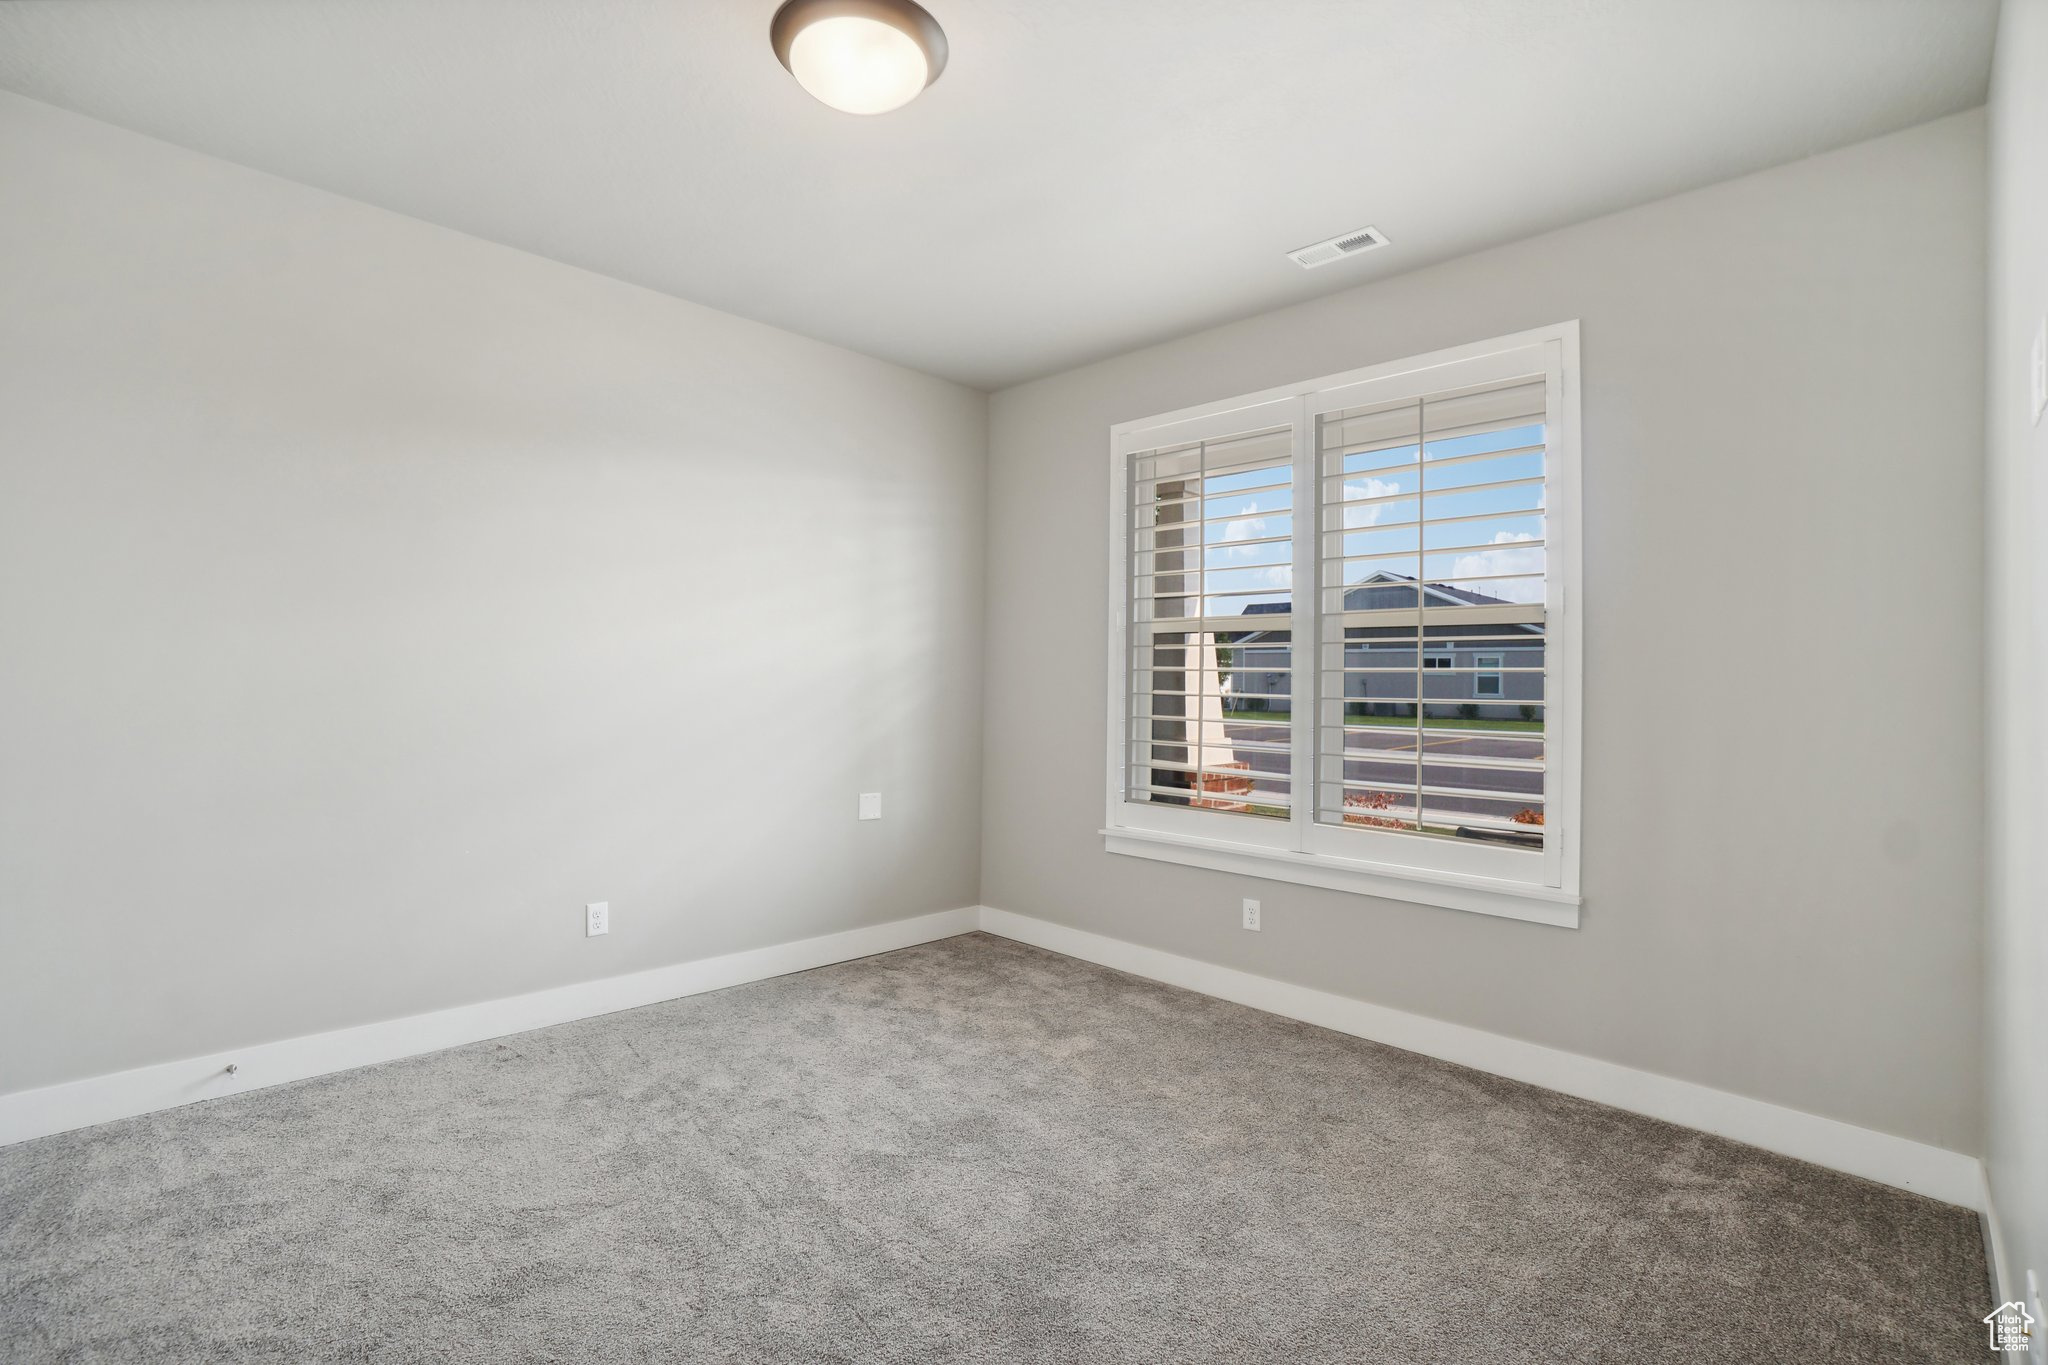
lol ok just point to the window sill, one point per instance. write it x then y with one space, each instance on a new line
1483 895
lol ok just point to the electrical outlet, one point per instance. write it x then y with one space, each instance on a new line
870 805
1251 915
597 919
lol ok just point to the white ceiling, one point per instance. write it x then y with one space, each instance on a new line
1088 175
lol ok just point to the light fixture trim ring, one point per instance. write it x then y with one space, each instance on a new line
905 16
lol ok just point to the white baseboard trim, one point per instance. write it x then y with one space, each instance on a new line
51 1109
1933 1171
1901 1162
1994 1240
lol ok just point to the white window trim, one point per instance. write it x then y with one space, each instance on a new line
1298 851
1493 671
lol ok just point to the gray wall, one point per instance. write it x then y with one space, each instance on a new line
2016 1077
1783 434
368 596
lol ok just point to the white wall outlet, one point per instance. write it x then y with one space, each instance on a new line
870 805
1251 915
2037 371
597 919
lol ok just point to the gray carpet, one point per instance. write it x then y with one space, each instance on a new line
967 1151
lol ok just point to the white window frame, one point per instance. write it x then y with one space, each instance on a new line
1482 669
1518 884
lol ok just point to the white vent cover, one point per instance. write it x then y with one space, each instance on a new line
1337 248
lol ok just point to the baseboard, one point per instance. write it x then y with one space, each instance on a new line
51 1109
1932 1171
1994 1240
1901 1162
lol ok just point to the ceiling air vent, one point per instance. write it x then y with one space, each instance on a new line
1338 247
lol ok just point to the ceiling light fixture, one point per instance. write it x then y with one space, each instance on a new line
859 56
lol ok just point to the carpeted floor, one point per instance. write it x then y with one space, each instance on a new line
966 1151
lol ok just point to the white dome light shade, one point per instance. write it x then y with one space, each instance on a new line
859 56
858 65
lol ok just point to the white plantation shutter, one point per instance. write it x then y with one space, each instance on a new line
1341 649
1432 625
1211 573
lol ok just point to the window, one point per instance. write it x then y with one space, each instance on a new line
1486 675
1343 643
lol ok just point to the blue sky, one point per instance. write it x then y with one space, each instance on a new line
1496 553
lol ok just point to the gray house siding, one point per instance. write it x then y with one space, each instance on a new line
1458 672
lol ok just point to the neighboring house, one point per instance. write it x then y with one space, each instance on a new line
1462 666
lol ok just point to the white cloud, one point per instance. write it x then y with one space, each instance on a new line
1503 561
1370 488
1245 528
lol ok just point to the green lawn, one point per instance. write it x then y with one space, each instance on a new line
1445 723
1393 722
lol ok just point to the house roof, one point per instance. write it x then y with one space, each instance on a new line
1354 598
